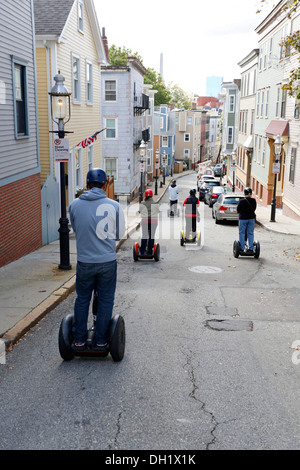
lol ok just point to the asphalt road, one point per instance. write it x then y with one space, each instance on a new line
210 360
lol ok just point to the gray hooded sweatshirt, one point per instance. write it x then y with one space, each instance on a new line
97 222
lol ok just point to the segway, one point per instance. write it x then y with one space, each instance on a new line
154 255
116 343
238 252
190 239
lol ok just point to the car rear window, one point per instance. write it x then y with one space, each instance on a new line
232 200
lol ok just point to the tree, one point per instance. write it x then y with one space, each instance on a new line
119 55
180 98
163 94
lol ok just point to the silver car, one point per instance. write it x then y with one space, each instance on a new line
225 208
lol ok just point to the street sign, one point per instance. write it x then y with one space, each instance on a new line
142 166
61 150
276 168
157 166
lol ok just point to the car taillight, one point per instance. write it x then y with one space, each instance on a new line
223 208
214 195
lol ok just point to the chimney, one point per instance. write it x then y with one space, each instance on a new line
105 44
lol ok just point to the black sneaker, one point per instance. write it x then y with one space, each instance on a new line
102 348
79 346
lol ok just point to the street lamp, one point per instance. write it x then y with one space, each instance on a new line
278 149
164 162
233 155
156 169
60 114
142 167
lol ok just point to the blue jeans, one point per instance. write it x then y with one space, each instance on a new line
104 277
246 225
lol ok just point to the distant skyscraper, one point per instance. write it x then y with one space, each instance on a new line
213 86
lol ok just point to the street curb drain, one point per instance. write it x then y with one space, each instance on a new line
229 325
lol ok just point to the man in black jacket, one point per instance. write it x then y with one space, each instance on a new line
191 205
246 209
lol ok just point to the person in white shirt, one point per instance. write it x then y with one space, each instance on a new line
173 196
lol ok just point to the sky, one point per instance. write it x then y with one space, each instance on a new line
198 38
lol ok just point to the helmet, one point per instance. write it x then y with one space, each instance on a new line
173 181
96 175
193 192
247 191
148 193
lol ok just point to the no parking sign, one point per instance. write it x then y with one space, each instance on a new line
61 150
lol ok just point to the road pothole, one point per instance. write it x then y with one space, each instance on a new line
229 325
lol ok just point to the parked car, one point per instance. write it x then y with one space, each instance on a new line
204 187
225 208
203 178
213 193
218 169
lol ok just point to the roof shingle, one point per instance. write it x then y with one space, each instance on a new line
50 16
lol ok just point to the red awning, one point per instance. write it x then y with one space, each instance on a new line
278 128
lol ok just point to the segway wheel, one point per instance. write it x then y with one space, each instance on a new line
65 338
157 252
117 338
182 239
199 238
257 249
236 248
135 252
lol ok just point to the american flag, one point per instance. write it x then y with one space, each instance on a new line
86 142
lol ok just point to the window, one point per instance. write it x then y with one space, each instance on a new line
270 49
283 103
76 79
187 137
164 142
20 99
292 165
149 158
254 81
111 167
111 128
257 104
78 168
262 103
189 121
258 150
89 83
263 153
80 16
231 103
110 90
267 103
230 135
277 102
161 122
265 55
90 157
186 153
252 121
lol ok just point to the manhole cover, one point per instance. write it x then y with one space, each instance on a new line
230 325
205 269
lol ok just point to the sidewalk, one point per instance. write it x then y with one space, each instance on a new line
34 285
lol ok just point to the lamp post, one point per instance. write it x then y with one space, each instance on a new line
233 170
60 114
278 149
156 170
164 162
142 167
